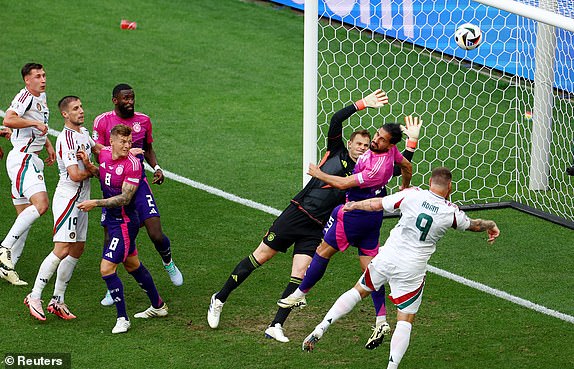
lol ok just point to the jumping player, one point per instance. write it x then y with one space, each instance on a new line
426 215
120 176
359 229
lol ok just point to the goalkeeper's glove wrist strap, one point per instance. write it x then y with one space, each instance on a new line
412 144
360 104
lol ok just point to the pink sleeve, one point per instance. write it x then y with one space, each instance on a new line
398 156
133 171
148 134
99 131
376 174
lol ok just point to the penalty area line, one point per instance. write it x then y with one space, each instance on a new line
443 273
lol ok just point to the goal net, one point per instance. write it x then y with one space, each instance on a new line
500 116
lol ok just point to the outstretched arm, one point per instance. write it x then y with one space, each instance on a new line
481 225
374 204
128 191
412 129
341 183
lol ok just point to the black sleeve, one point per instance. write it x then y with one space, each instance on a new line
409 156
335 134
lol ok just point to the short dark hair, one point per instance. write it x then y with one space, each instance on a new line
121 130
64 101
441 176
120 87
28 67
362 132
395 130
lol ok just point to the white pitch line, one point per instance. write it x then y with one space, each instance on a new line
443 273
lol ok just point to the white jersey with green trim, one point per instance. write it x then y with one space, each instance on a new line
425 218
68 143
28 106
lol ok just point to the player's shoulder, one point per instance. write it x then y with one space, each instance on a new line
104 117
141 116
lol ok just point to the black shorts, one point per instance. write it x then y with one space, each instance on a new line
294 227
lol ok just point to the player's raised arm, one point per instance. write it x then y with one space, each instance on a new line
481 225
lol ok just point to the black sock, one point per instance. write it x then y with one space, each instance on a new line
283 313
242 270
163 247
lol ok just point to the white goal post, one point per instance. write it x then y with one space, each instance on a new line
501 116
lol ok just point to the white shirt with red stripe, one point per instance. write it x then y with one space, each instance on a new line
425 218
28 106
68 143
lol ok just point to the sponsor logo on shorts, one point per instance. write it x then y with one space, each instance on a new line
72 235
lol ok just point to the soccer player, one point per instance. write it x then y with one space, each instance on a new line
28 117
70 224
123 97
302 222
359 229
426 215
120 176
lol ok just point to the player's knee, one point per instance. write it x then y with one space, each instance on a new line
42 207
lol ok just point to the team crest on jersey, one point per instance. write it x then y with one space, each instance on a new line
137 127
71 155
95 135
72 235
119 170
38 106
270 236
40 177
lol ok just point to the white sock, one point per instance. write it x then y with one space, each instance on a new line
381 319
18 247
344 304
298 293
399 343
63 276
47 269
22 223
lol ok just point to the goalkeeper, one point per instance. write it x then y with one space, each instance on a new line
301 223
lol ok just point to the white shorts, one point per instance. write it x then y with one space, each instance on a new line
26 172
70 224
406 286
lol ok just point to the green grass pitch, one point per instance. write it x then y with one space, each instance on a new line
222 82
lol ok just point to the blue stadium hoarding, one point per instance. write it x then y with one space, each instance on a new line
508 39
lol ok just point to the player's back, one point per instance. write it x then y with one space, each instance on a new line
425 218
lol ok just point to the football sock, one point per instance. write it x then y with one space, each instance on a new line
63 276
314 273
145 281
242 270
283 313
399 343
18 246
163 247
344 304
378 298
47 269
116 288
22 223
